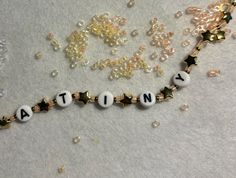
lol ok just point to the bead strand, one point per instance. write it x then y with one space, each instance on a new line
146 98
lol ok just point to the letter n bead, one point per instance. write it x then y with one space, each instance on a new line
24 113
147 99
64 98
181 79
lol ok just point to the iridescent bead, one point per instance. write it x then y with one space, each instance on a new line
178 14
80 23
73 65
155 124
184 107
131 3
54 73
213 73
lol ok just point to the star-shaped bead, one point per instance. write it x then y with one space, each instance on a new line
227 17
220 35
5 122
44 106
126 100
191 60
167 92
208 36
84 97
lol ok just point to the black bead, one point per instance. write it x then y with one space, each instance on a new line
191 60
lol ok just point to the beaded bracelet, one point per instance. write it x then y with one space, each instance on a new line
147 98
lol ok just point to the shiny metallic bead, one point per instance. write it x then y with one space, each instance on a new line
54 73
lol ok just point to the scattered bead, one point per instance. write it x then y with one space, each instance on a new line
213 73
134 33
50 36
61 169
159 71
76 139
153 56
155 124
131 3
24 113
186 31
114 51
80 23
185 43
184 107
73 65
178 14
38 55
54 42
54 73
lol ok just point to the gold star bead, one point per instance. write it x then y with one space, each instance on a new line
126 100
167 92
208 36
84 97
220 35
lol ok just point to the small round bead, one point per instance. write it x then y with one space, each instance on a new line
147 99
64 98
105 99
181 79
24 113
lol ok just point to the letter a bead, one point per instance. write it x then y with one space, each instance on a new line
64 98
105 99
181 79
147 99
24 113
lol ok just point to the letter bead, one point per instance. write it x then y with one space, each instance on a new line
24 113
64 98
181 79
105 99
147 99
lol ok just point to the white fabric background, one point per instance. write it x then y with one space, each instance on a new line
199 143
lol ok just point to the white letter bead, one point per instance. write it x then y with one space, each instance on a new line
105 99
64 98
147 99
24 113
181 79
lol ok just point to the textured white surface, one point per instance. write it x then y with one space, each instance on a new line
115 143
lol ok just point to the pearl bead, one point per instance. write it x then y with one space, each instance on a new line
147 99
181 79
24 113
64 98
105 99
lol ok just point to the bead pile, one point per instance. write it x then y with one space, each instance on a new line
123 67
161 39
